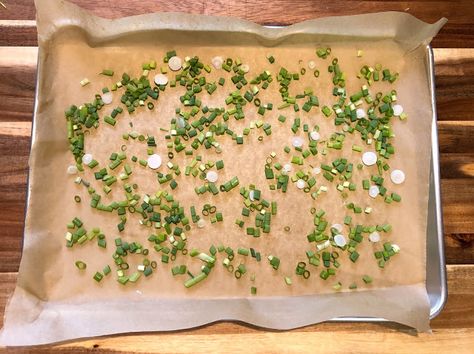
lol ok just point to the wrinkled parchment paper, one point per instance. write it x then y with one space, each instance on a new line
54 302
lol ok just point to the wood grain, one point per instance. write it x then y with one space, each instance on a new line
456 33
7 285
454 77
362 341
355 339
457 165
452 330
457 198
455 136
14 152
17 86
459 248
18 32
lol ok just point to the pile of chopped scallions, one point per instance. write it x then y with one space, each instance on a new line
197 127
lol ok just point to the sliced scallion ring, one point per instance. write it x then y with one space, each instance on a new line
81 265
397 176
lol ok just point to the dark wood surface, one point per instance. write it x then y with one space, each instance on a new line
454 69
457 33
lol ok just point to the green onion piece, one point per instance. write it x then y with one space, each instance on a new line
134 277
243 251
107 72
106 270
274 262
193 281
354 256
85 81
81 265
219 164
395 197
98 277
110 120
367 279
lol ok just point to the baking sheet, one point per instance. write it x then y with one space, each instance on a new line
49 303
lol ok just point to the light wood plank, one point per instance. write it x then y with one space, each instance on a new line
354 340
17 86
454 61
16 129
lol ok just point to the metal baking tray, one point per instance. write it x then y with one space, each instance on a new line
436 284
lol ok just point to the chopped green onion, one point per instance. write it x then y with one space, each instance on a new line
107 72
193 281
98 277
81 265
85 82
367 279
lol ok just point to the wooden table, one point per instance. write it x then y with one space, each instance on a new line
453 330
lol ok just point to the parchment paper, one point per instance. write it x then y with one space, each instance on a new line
54 302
